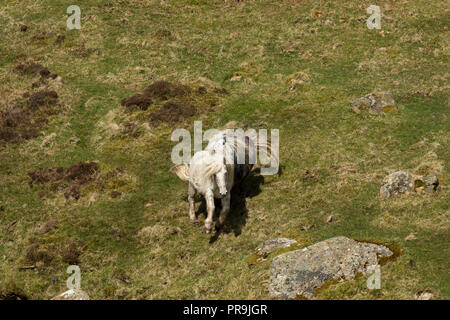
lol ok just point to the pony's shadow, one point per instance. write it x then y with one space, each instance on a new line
237 216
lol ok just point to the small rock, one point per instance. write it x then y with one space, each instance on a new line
396 183
376 103
23 28
401 182
72 294
271 245
300 272
330 218
358 104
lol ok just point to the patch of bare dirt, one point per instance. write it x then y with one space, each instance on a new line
36 253
16 126
164 90
159 90
24 118
172 103
70 179
32 68
171 112
42 98
139 100
71 254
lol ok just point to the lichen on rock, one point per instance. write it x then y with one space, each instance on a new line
301 272
377 102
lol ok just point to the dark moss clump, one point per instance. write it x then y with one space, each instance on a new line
82 172
171 112
25 118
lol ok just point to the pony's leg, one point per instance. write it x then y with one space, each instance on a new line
225 209
210 208
191 194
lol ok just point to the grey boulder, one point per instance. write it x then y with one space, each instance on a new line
299 273
403 182
377 102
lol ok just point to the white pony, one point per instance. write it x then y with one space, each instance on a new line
214 171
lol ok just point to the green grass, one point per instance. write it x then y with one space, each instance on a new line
212 42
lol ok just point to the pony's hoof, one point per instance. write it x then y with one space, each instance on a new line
207 231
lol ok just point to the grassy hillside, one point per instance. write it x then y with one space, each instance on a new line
125 221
